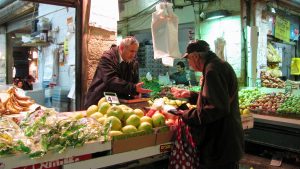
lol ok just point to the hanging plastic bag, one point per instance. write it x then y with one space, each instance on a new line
164 29
295 66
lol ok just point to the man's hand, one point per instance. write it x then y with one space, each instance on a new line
180 93
140 89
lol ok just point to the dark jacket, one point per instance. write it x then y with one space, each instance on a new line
180 78
112 76
216 124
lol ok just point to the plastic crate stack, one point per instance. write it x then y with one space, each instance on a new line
60 100
152 65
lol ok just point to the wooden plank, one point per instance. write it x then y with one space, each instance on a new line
134 100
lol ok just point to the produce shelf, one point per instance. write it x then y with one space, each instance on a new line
52 158
275 132
287 122
119 158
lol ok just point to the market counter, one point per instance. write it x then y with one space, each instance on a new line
136 103
54 159
119 158
276 132
112 152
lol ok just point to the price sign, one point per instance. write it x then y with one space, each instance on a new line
282 29
164 148
111 97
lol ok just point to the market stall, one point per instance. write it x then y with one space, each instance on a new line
276 116
44 138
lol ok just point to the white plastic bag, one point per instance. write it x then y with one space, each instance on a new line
164 29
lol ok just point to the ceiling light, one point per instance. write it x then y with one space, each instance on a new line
216 14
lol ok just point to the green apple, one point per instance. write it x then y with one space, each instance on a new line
91 110
133 120
101 120
115 122
145 126
103 107
103 99
129 129
147 119
139 112
115 133
96 115
123 106
158 119
77 115
115 111
127 112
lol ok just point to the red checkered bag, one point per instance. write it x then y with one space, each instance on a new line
184 153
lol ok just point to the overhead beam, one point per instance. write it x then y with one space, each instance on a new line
290 5
281 4
3 3
68 3
15 10
21 25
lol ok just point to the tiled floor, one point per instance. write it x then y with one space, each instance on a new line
262 163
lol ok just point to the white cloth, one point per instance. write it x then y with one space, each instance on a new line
164 29
72 74
104 14
220 48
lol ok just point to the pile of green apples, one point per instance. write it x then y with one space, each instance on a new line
247 96
122 118
290 106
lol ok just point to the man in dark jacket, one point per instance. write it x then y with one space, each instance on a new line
117 72
216 122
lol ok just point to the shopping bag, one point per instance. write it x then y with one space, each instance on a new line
184 153
295 66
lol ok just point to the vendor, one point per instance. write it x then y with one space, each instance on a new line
180 76
117 72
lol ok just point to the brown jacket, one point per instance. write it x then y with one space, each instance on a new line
112 76
216 124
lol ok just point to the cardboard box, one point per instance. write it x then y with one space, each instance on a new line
247 121
133 143
165 135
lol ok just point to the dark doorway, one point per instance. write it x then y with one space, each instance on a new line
21 62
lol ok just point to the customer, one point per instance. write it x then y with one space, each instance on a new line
18 82
28 83
117 72
180 76
216 122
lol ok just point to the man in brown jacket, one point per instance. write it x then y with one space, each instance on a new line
117 72
216 122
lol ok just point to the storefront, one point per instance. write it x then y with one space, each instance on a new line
273 48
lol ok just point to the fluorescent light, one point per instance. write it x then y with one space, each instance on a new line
216 14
